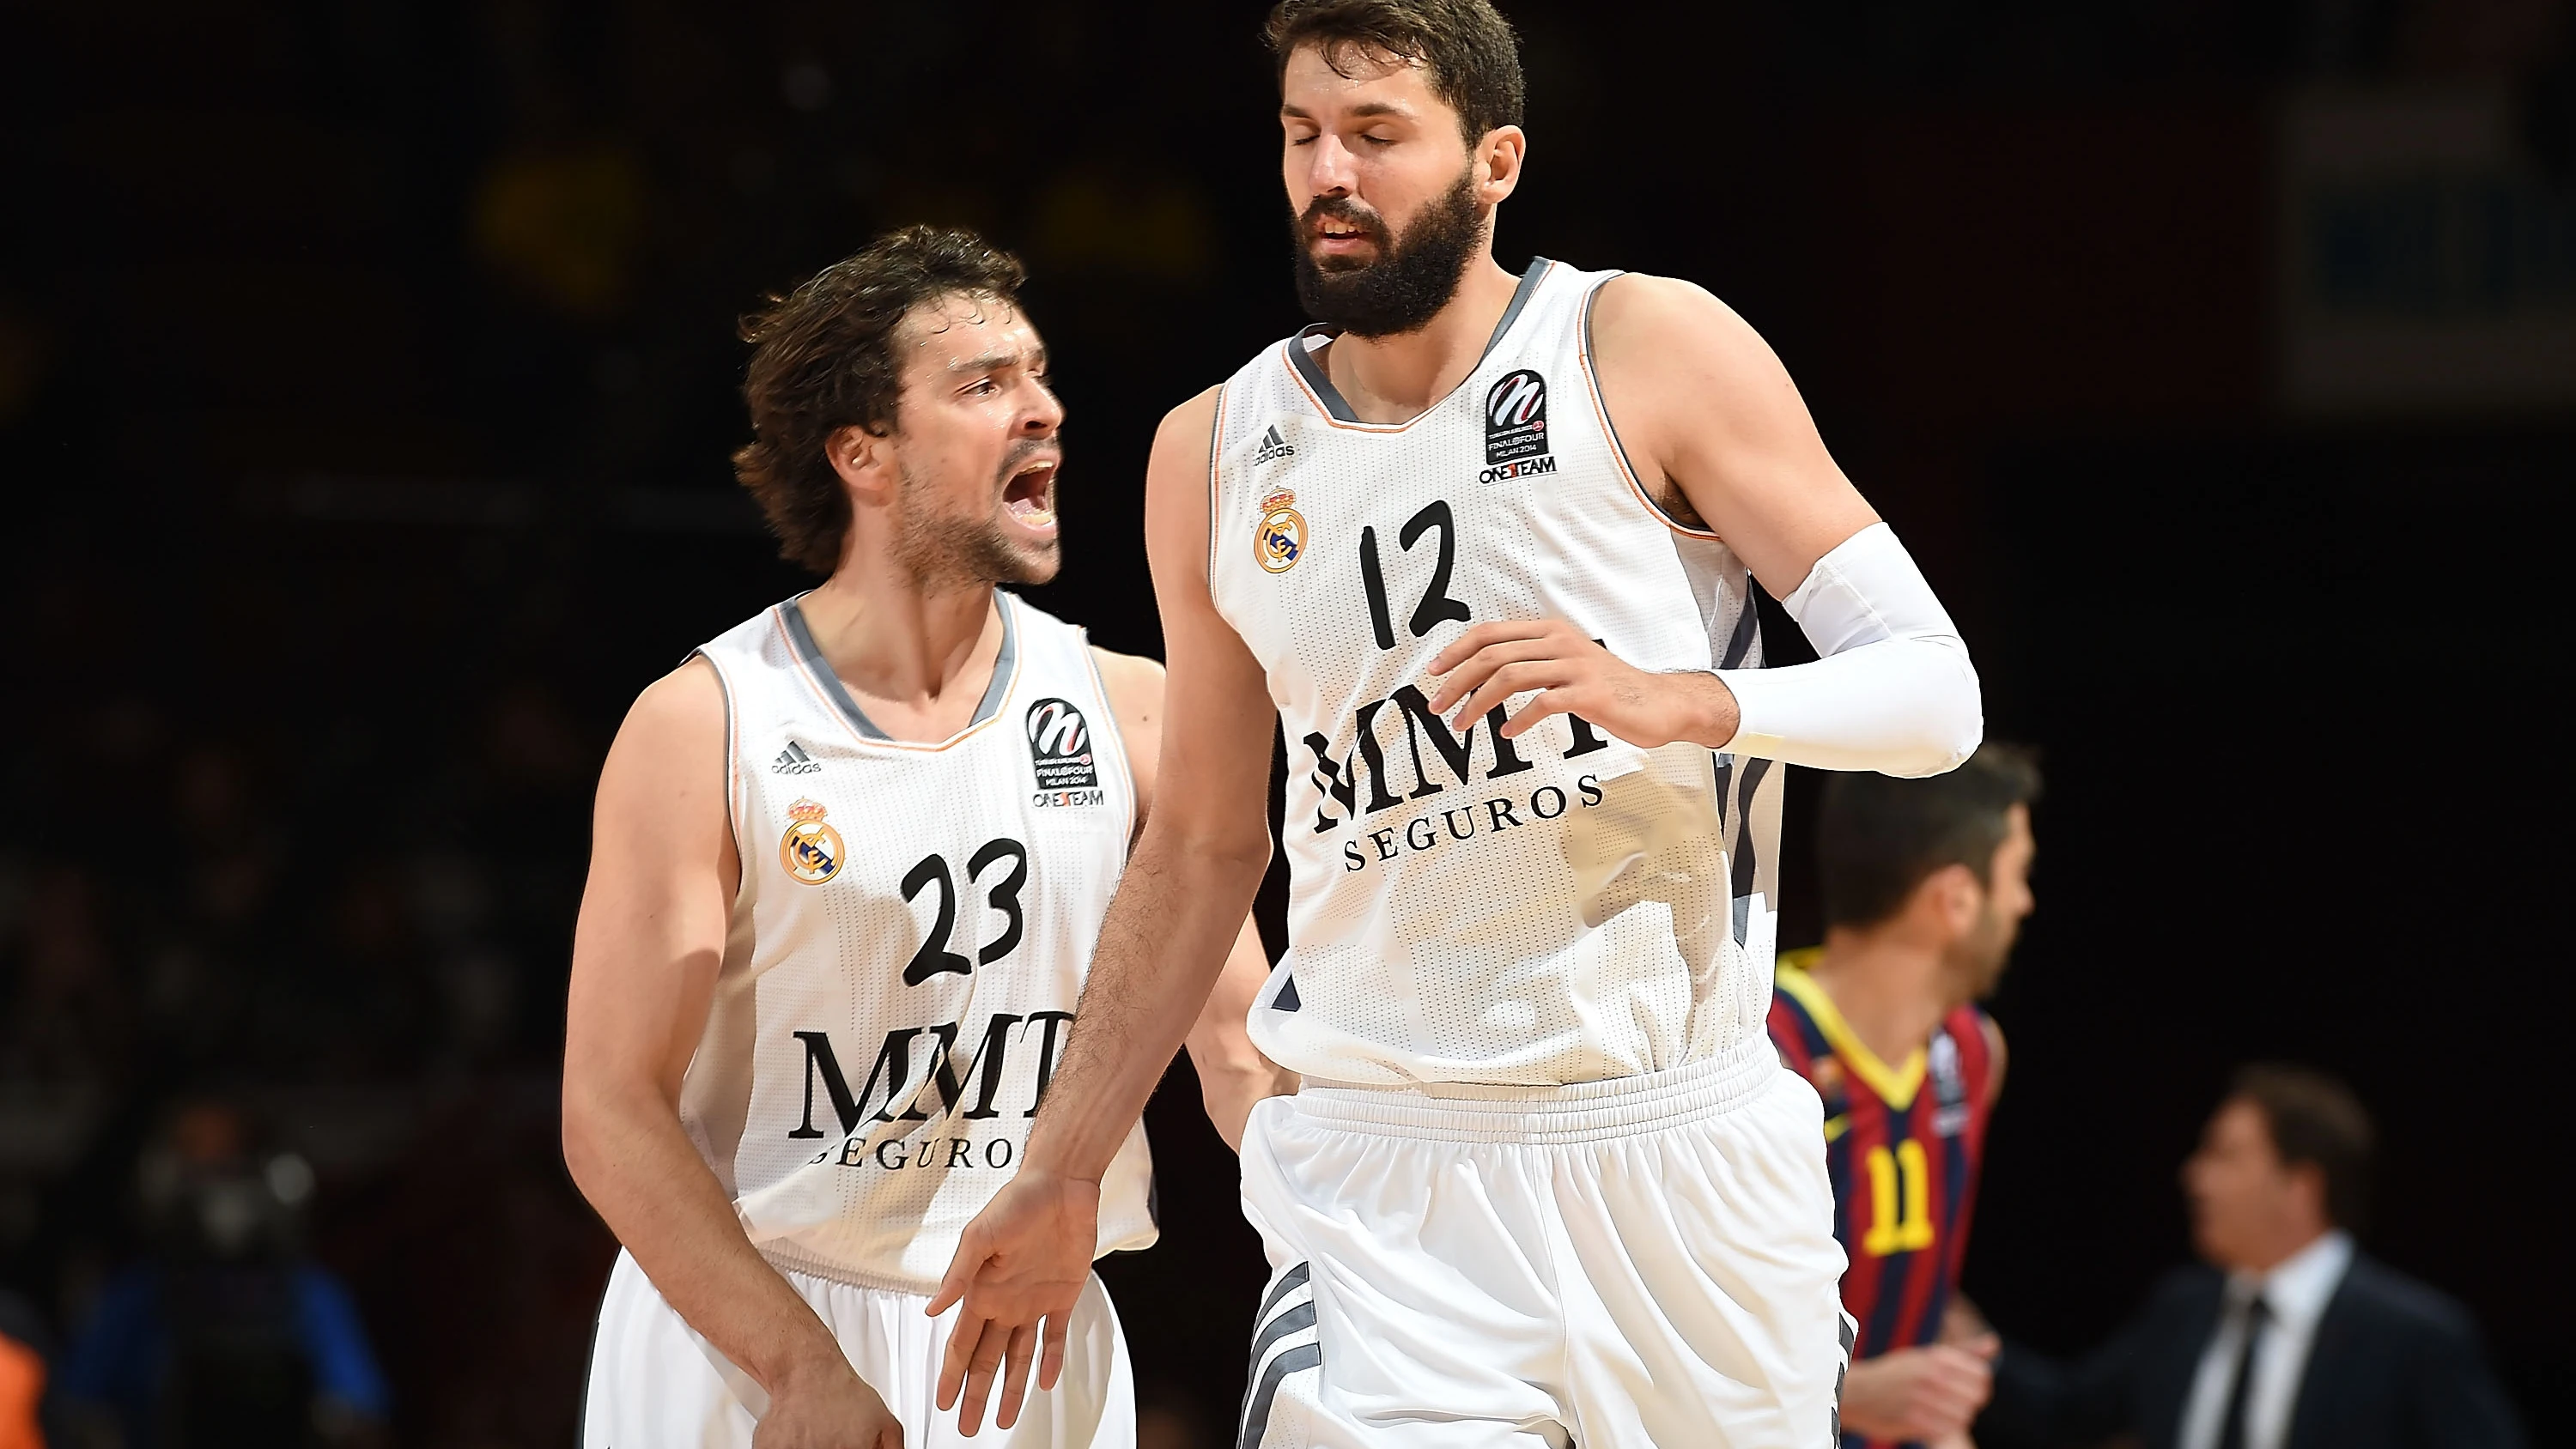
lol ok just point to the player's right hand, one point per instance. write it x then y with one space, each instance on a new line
1926 1394
829 1408
1021 1263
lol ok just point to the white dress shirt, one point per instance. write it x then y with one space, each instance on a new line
2296 1293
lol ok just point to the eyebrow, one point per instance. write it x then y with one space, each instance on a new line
1365 108
995 361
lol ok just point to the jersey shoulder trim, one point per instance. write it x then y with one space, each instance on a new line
826 684
1317 385
1895 1085
1601 409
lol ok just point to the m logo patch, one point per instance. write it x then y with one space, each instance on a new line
1516 418
1060 746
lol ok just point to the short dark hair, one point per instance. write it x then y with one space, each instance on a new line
823 358
1467 50
1879 837
2315 1119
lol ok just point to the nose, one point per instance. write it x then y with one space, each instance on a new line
1332 169
1045 412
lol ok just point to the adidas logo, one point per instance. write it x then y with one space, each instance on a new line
794 761
1273 447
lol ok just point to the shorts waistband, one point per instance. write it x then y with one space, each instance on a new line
1579 1112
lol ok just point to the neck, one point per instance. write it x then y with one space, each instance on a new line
1395 379
1887 985
2288 1246
896 642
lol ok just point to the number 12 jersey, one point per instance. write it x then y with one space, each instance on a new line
1562 907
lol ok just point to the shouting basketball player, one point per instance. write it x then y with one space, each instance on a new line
1925 886
850 862
1487 542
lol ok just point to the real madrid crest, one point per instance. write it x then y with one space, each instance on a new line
1279 539
811 850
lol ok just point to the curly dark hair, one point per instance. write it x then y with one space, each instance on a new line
1467 49
824 358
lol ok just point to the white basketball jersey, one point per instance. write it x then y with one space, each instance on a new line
1558 908
906 950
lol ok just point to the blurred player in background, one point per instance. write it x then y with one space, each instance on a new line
1925 885
849 864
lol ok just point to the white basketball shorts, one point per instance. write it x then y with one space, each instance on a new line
1643 1261
656 1384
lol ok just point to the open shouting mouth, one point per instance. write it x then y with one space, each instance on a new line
1028 495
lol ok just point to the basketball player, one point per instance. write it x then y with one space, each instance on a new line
1925 885
1486 543
849 865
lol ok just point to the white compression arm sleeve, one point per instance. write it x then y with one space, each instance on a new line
1892 689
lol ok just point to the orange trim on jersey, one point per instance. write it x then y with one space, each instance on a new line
778 620
1321 411
1326 413
1895 1086
1216 450
1118 732
1619 450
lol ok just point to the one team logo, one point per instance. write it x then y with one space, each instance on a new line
810 850
1279 539
1516 419
1060 747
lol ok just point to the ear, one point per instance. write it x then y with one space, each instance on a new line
2307 1183
1952 897
1498 163
865 462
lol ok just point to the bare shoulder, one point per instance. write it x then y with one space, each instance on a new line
675 725
1129 678
1134 684
1185 437
1640 318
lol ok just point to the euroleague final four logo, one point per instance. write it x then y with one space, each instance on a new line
1060 751
1516 428
811 849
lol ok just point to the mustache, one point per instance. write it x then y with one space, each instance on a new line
1031 450
1342 209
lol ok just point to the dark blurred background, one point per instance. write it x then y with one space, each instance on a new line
367 377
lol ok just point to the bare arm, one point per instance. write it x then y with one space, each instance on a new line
645 956
1232 1072
1724 445
1177 915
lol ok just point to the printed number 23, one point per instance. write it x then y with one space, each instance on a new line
1436 604
934 956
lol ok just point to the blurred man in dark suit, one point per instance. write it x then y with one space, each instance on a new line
2288 1338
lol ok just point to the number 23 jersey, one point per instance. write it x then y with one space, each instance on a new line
1562 907
910 938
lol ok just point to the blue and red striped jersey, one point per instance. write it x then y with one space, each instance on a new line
1903 1143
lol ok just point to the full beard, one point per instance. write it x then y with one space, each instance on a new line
1413 276
960 550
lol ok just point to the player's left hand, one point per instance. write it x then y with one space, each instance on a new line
1023 1261
1574 675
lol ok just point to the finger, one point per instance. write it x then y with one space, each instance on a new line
1549 703
963 1335
962 1267
1480 636
1509 680
1482 665
1986 1345
1051 1363
1015 1375
979 1377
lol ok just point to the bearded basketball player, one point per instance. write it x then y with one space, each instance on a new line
850 862
1486 543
